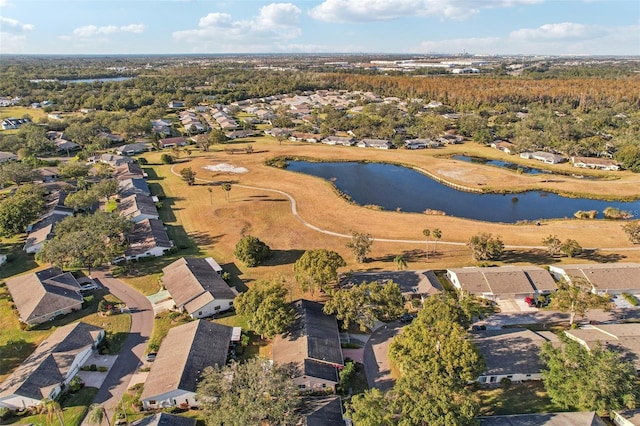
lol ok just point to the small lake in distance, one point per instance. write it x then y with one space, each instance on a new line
93 80
395 187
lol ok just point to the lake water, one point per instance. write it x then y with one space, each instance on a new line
93 80
394 187
499 163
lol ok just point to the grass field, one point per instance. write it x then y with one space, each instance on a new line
36 115
520 398
209 223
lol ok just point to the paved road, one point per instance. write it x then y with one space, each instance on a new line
130 356
376 359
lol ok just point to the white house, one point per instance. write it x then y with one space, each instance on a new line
183 355
545 157
595 163
53 364
610 278
197 288
375 143
148 238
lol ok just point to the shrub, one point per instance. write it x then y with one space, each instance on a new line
93 367
5 413
505 382
143 161
103 369
167 159
588 214
631 299
615 213
251 251
75 384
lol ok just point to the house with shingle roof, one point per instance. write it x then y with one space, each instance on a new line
502 283
133 148
110 159
42 231
43 295
545 419
197 288
512 353
313 345
51 367
132 186
375 143
148 238
129 171
183 355
610 278
622 338
138 207
323 411
172 142
7 156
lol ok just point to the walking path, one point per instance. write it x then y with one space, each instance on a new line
294 211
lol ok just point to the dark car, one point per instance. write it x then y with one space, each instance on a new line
407 318
151 356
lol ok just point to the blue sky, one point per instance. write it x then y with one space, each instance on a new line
547 27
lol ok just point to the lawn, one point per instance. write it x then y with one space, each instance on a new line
519 398
20 112
74 408
161 326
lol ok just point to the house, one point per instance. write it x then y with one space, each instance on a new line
138 207
595 163
305 137
64 145
175 104
322 411
133 148
504 146
161 127
132 186
51 367
512 353
609 278
623 338
338 140
48 174
172 142
412 283
420 144
43 295
450 139
237 134
7 156
148 238
374 143
278 133
505 282
165 419
110 137
42 231
545 419
545 157
183 355
54 203
14 123
129 171
625 417
110 159
313 346
197 288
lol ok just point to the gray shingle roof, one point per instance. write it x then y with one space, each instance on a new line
49 364
323 411
545 419
184 354
146 235
164 419
44 292
189 278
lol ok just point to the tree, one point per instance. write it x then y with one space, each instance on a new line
266 308
210 191
437 234
360 245
188 175
571 248
167 159
576 297
371 408
18 173
485 246
215 137
74 170
226 187
51 408
366 303
400 262
97 414
426 234
86 241
317 269
632 229
251 251
553 244
19 210
595 379
81 200
254 393
106 188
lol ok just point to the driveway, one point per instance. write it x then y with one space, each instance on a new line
130 357
376 356
95 379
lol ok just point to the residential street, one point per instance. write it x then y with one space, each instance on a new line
130 356
375 358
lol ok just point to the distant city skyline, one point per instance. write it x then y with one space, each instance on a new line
493 27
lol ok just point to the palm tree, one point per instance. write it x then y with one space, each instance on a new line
226 187
437 234
51 408
426 234
97 414
400 262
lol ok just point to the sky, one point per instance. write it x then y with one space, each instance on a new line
497 27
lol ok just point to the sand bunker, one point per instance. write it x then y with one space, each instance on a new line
226 168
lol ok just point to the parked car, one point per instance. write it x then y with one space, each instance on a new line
151 356
407 318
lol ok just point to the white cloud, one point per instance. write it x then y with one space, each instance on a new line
564 38
381 10
14 24
12 43
275 24
93 30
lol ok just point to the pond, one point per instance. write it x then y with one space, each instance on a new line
394 187
500 163
101 80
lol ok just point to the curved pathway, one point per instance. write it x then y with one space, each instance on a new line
294 211
130 357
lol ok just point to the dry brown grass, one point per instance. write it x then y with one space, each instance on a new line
216 224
